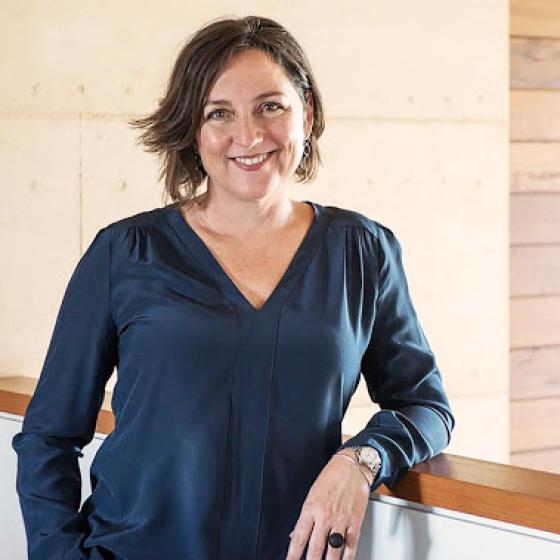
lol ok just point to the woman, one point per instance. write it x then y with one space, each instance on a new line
240 321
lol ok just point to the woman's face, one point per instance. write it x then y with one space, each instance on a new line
252 110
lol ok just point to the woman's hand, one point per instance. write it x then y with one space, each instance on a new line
336 503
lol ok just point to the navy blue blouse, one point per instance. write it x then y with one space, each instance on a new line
224 414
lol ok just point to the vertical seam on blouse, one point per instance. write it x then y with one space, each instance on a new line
228 460
271 404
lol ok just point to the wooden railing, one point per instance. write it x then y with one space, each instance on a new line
497 491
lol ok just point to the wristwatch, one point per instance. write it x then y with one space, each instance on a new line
369 456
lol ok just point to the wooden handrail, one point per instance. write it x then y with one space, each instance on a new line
526 497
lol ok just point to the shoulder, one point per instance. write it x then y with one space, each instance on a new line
143 219
125 235
346 217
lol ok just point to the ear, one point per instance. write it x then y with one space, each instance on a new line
308 114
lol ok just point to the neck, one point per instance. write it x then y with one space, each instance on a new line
237 219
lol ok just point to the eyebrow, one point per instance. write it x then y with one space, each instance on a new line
261 96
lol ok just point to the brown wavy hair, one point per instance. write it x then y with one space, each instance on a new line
170 131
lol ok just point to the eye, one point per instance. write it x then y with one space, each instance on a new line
275 106
211 114
267 107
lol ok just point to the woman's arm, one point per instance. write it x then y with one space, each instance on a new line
415 420
61 416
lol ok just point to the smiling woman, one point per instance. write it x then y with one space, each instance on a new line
239 326
209 92
251 139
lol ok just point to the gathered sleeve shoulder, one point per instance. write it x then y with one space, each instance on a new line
401 373
62 413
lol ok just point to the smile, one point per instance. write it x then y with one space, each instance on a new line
252 163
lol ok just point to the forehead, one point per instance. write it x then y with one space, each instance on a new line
250 72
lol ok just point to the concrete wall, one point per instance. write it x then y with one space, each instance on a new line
416 98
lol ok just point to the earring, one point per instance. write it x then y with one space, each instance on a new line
306 148
197 158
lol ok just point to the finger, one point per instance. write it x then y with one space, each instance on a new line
335 553
300 536
351 545
318 541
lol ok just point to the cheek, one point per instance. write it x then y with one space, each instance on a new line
211 141
286 135
284 124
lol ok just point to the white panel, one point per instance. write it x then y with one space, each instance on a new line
12 530
394 529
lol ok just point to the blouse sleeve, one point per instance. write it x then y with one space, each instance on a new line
415 420
62 413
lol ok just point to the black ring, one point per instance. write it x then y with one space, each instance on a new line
336 540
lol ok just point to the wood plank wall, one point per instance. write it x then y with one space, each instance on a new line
535 233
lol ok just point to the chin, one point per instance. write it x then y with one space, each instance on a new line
253 192
252 188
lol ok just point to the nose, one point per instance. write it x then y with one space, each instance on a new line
247 132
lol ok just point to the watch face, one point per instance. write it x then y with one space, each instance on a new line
369 454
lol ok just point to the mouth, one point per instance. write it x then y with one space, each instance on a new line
253 163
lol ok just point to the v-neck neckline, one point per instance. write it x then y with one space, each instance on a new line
227 286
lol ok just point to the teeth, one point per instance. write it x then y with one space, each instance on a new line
252 161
